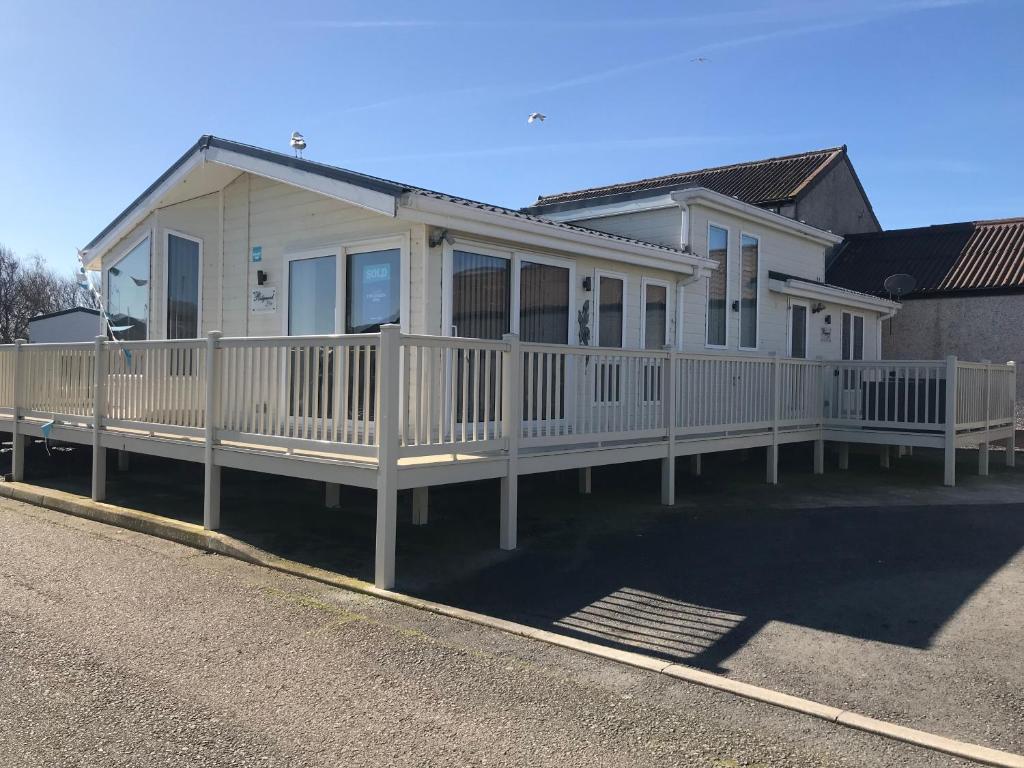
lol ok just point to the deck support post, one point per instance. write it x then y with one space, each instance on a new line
332 495
844 455
123 461
819 457
949 451
773 449
983 458
1010 447
211 472
388 405
884 452
511 428
420 505
99 407
585 480
17 439
668 399
695 465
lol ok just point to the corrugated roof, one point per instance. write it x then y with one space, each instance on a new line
948 258
771 181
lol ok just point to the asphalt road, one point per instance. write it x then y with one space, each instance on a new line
117 649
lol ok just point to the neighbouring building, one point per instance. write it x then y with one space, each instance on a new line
968 297
66 326
258 243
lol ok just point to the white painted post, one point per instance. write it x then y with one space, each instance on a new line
585 480
983 445
773 449
332 495
883 456
420 505
17 439
695 465
511 428
819 457
949 453
1011 441
123 461
819 444
668 400
389 358
99 408
844 455
211 471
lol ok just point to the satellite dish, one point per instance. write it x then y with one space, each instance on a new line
899 285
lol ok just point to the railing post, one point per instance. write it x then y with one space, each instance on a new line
773 448
949 451
984 444
389 358
211 418
99 409
1011 441
17 439
511 429
819 444
668 399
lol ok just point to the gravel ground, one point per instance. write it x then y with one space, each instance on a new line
117 649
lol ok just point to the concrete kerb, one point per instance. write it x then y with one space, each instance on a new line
197 537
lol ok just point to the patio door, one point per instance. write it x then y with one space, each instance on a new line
312 311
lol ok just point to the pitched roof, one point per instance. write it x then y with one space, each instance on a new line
970 256
366 181
772 181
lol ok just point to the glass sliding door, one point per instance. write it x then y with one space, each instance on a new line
182 287
544 319
798 330
481 295
312 311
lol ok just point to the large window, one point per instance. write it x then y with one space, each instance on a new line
183 264
853 336
312 296
481 295
373 288
610 296
128 294
749 258
718 251
655 311
543 303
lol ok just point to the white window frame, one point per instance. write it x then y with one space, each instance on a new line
758 294
598 274
728 286
863 334
341 251
106 270
167 275
807 328
646 281
516 258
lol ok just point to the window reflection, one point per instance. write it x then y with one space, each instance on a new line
128 294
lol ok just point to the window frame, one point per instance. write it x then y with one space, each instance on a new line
728 286
342 250
149 233
644 282
167 277
842 339
757 296
598 274
807 328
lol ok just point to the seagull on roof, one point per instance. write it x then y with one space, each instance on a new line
298 143
536 117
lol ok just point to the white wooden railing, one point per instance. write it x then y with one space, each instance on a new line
451 395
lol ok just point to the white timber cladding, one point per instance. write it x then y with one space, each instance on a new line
778 251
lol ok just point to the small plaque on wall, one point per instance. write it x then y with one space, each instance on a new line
263 299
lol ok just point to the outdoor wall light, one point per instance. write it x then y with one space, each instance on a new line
828 319
261 277
817 307
588 283
736 305
439 236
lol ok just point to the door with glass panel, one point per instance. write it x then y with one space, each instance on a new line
544 316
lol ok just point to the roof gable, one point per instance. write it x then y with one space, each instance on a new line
949 258
771 181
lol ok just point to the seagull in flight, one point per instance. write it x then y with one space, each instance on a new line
700 60
536 117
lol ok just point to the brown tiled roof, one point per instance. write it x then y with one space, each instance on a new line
948 258
772 181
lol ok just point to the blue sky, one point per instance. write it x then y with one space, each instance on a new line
99 98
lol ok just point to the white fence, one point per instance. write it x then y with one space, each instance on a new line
456 395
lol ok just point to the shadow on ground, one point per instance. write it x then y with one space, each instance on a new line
691 583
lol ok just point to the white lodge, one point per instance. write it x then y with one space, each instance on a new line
284 316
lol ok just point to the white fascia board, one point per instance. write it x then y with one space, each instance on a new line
93 258
529 232
380 202
612 209
802 290
701 195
